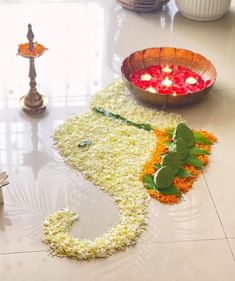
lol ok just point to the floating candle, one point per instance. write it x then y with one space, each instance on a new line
181 81
166 82
167 69
191 81
151 90
146 77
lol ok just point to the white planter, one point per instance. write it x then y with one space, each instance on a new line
203 10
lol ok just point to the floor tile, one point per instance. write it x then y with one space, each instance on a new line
232 245
216 114
28 204
194 218
185 261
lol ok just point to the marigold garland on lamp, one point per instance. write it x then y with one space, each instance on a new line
33 102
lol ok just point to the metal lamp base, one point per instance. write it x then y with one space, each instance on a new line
33 109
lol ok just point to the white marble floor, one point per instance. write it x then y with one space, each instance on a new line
87 41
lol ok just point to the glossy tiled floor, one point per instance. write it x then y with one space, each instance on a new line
88 40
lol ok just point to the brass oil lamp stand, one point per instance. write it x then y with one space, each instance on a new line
33 102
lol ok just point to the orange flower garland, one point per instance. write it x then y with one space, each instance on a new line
182 184
37 51
159 149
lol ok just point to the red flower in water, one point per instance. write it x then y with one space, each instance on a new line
153 76
165 90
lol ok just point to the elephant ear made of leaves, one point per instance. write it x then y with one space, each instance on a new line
179 156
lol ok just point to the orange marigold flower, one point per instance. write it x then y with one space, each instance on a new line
164 198
203 146
35 52
148 169
193 170
203 158
183 184
161 135
208 136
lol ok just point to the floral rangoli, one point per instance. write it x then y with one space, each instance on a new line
120 146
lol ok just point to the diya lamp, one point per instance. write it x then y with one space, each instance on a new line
167 82
151 90
191 81
167 69
33 102
145 77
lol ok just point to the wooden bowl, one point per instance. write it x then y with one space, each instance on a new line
167 55
142 5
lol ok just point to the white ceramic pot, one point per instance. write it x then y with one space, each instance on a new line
203 10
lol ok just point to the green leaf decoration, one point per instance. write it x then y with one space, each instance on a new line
194 161
167 144
183 173
180 147
173 161
146 127
156 166
198 151
199 138
149 183
183 131
84 143
163 177
111 115
170 132
171 190
181 150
